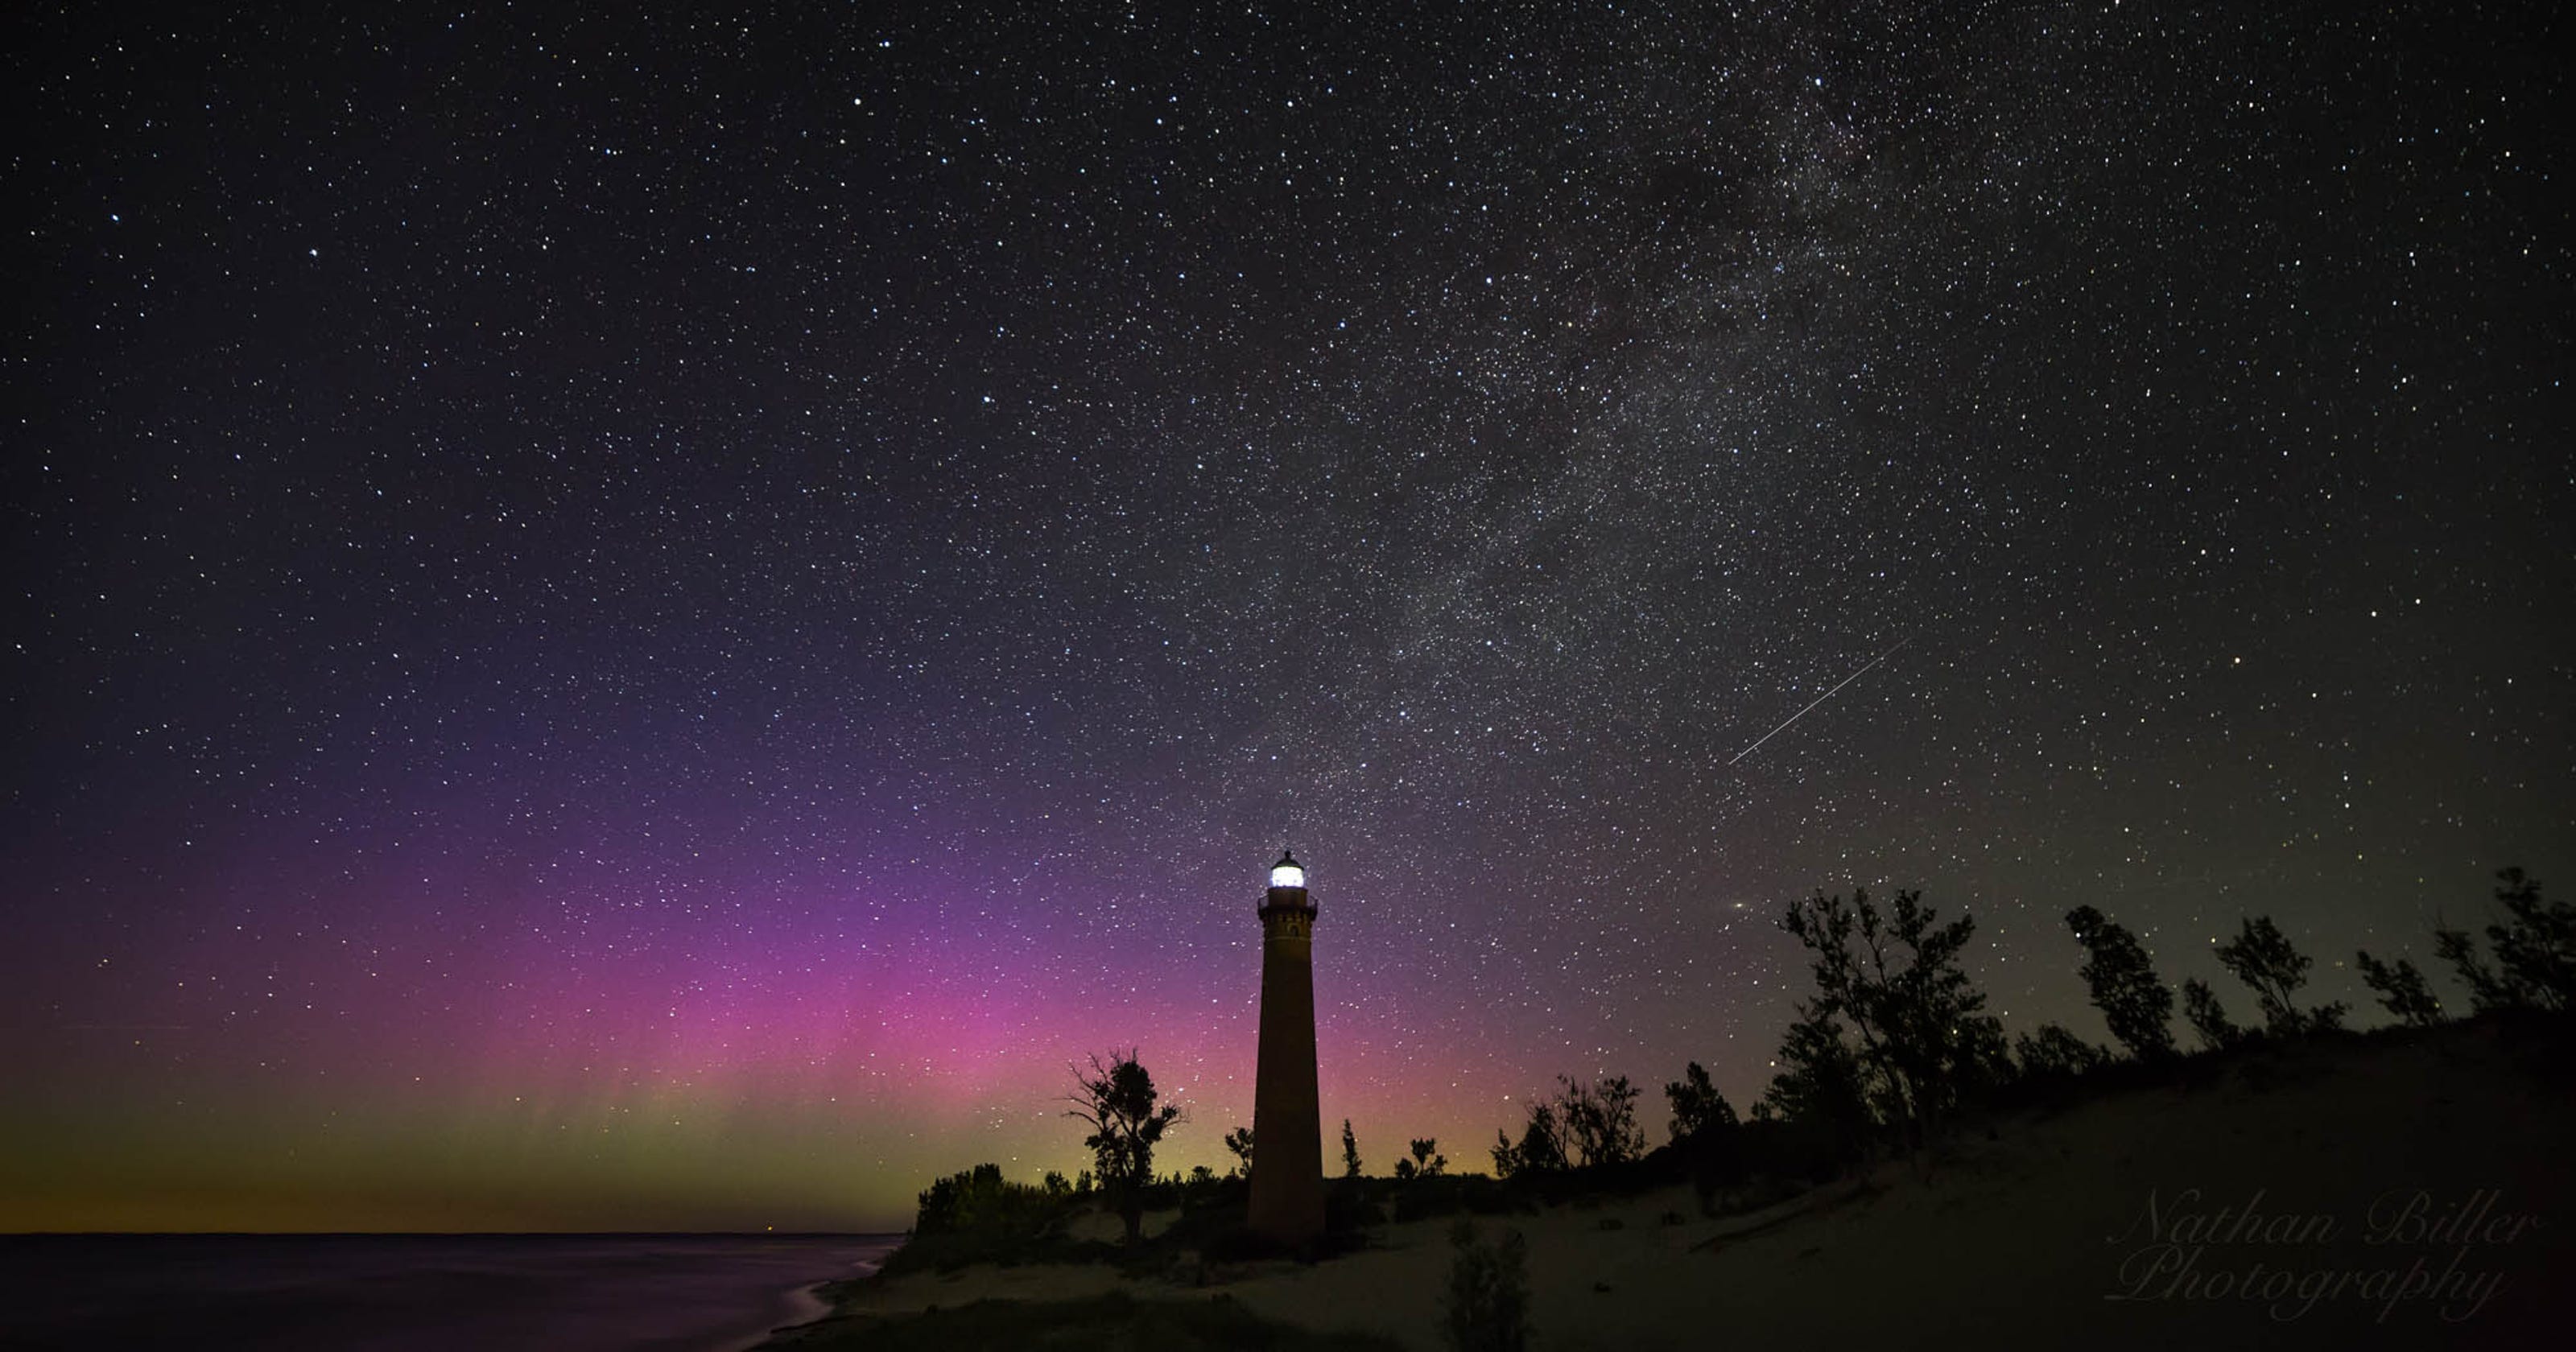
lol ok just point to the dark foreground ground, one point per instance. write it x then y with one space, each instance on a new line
2397 1190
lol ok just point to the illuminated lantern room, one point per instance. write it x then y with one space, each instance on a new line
1287 1201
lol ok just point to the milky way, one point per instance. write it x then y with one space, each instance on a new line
653 621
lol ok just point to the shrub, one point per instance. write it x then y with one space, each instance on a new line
1488 1303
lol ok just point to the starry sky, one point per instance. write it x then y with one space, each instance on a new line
650 620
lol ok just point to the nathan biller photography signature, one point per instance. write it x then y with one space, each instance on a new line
2445 1252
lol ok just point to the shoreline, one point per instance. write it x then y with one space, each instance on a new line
704 1292
807 1303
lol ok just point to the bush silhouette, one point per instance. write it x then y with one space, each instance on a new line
1488 1303
2051 1052
1427 1161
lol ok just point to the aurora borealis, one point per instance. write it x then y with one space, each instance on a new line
651 620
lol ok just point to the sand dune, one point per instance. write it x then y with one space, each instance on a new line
2393 1191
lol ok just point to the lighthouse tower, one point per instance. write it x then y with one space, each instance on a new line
1287 1125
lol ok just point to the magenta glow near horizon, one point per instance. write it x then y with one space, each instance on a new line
656 627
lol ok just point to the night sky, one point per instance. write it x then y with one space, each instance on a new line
652 621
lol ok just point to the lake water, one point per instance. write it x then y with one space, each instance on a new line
412 1293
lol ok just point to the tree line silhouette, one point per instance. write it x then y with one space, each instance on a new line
1881 1059
1895 1037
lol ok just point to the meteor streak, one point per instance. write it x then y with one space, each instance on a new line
1784 723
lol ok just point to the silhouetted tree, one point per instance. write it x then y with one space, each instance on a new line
1704 1131
1350 1151
981 1200
2535 953
1488 1303
1238 1143
1899 981
1117 1100
2051 1052
1599 1121
2209 1018
2263 958
1427 1161
1541 1148
1981 1058
2116 969
2400 989
1696 1104
2487 991
945 1204
1821 1083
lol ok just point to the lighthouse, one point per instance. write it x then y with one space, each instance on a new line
1287 1117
